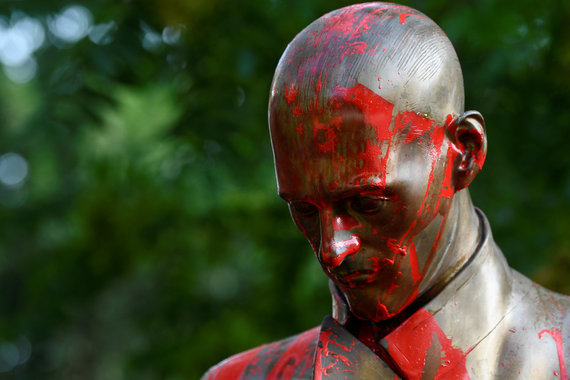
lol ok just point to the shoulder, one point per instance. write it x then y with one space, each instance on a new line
542 324
292 356
548 308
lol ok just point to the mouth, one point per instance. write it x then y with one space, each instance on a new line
353 275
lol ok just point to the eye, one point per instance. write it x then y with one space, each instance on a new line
302 208
368 204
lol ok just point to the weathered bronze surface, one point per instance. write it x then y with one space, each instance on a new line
373 153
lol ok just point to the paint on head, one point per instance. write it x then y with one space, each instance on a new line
346 134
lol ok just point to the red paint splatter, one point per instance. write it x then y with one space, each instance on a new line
327 337
297 111
404 15
395 247
418 126
290 93
557 336
325 135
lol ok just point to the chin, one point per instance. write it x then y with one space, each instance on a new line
374 310
378 301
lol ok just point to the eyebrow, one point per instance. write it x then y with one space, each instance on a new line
343 193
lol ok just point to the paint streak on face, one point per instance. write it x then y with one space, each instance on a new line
370 189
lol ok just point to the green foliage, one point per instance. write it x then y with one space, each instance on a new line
147 240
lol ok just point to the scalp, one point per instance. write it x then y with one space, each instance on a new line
396 51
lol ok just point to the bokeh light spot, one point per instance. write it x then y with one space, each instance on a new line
102 34
22 73
171 35
9 356
13 169
72 24
151 40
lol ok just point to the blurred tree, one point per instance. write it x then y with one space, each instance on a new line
141 232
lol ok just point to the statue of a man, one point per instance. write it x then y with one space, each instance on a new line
373 153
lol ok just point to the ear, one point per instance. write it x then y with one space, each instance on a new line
467 133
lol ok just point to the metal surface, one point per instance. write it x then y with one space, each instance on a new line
373 153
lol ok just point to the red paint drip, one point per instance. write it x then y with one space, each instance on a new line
404 15
382 312
557 336
414 263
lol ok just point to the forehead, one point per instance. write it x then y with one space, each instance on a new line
345 142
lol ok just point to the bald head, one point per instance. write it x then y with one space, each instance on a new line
395 51
371 147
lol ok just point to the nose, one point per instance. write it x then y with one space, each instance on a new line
337 238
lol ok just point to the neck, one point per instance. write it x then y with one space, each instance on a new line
458 242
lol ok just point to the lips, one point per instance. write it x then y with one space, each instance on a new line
359 274
360 278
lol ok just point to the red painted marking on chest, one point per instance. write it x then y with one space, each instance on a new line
409 345
557 336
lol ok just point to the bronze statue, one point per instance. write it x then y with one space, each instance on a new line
373 153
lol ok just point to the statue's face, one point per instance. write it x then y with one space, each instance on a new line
370 189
